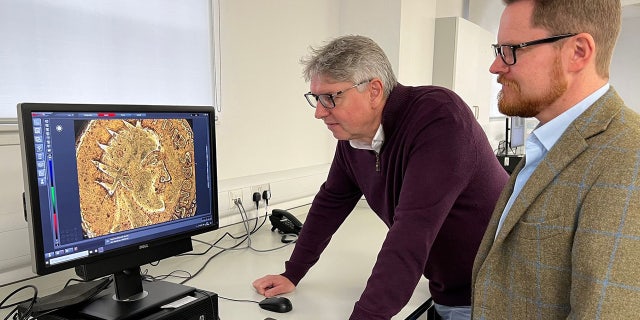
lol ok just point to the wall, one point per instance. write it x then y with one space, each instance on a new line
267 133
417 32
625 70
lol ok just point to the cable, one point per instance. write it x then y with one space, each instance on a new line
14 311
245 220
150 278
243 238
266 195
256 199
237 300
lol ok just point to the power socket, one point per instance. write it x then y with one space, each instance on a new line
235 195
260 187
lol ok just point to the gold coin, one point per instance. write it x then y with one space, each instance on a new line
134 173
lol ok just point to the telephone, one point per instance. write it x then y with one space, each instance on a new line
285 222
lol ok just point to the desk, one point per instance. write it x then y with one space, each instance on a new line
329 290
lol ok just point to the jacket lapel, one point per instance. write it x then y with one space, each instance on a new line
571 144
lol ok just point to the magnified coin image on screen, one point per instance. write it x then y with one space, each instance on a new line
134 173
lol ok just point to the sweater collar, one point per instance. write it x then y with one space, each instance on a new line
394 107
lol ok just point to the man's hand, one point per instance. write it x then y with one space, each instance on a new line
273 285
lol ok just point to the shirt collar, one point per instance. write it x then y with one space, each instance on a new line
550 132
376 143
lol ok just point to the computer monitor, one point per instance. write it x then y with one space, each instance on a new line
516 132
109 188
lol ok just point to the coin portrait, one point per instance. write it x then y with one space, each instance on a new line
134 173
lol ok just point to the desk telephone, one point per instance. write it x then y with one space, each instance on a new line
285 222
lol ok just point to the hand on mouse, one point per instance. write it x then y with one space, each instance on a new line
273 285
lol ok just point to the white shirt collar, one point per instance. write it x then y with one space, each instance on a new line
550 132
376 143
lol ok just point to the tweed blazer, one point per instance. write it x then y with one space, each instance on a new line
570 245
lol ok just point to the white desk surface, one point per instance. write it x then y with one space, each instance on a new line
328 291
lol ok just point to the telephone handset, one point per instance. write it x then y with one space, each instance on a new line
285 222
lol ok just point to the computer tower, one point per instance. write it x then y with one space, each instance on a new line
204 307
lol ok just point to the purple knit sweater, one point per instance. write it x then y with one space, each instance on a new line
434 184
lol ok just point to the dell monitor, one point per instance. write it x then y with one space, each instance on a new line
109 188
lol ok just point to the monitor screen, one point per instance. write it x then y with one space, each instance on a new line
516 132
113 187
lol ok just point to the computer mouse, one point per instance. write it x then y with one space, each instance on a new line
276 304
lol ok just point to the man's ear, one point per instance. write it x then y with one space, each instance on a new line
376 89
583 52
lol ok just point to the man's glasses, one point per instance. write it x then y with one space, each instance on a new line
508 51
326 99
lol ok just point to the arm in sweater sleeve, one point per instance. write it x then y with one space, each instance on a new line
331 206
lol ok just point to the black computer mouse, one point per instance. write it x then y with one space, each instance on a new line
276 304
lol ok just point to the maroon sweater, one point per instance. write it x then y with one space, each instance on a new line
435 188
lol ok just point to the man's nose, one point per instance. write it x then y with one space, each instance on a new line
321 111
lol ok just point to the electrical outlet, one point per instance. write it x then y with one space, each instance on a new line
233 195
259 188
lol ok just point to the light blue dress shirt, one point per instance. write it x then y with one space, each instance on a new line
541 140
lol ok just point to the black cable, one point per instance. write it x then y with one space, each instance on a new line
266 195
237 300
150 278
27 312
244 238
201 268
257 197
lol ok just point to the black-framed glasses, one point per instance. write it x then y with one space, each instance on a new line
508 51
326 99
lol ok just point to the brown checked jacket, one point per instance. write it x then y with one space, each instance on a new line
570 245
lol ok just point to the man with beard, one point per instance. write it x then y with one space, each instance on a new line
564 239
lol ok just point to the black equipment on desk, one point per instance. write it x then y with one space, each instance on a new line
509 162
203 306
285 222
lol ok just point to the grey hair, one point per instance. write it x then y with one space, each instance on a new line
350 58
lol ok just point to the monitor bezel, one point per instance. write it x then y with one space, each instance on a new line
31 196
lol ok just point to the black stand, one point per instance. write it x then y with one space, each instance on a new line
129 285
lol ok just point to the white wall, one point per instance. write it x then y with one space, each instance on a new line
625 69
267 132
417 32
266 124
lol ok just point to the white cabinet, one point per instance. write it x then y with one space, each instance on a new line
461 60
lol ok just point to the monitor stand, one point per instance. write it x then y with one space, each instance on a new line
159 293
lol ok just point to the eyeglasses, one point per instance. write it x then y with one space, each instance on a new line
508 52
326 99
